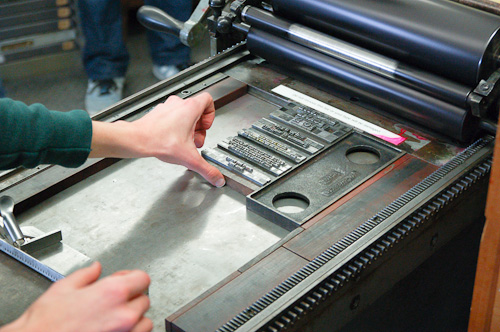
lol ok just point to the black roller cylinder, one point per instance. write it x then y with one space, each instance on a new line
440 36
386 95
429 83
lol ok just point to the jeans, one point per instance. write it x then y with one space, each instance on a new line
105 54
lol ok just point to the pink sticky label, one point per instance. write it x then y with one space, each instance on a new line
394 140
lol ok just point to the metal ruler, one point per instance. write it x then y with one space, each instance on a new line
53 262
30 261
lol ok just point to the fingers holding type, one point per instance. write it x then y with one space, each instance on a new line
196 163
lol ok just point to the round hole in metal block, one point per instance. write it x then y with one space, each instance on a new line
363 155
290 202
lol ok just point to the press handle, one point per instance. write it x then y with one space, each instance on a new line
156 19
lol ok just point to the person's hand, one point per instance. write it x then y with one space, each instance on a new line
82 303
179 126
171 132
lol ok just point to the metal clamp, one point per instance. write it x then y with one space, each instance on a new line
485 96
11 233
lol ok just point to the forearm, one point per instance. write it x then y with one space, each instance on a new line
33 135
119 139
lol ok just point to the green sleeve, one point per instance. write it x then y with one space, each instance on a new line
33 135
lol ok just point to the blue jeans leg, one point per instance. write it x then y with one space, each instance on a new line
104 54
166 49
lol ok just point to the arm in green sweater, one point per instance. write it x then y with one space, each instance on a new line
172 132
33 135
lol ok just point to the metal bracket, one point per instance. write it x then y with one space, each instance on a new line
190 33
485 96
11 233
225 27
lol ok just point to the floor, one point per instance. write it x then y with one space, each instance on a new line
436 297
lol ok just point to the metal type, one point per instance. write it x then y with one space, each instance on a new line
256 155
435 86
371 89
331 175
288 135
301 292
236 166
272 144
191 221
316 123
438 36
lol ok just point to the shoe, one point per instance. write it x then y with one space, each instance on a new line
103 93
164 72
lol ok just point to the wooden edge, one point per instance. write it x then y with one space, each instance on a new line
492 6
226 91
486 295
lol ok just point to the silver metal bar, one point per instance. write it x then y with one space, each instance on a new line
349 53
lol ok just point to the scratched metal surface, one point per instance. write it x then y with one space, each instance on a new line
161 218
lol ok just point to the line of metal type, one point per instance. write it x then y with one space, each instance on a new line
431 84
443 37
476 156
373 90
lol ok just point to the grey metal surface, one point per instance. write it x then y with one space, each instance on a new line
164 219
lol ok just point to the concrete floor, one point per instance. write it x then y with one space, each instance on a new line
440 289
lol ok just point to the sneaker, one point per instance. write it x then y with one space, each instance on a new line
164 72
103 93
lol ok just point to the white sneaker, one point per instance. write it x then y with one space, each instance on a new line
103 93
164 72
